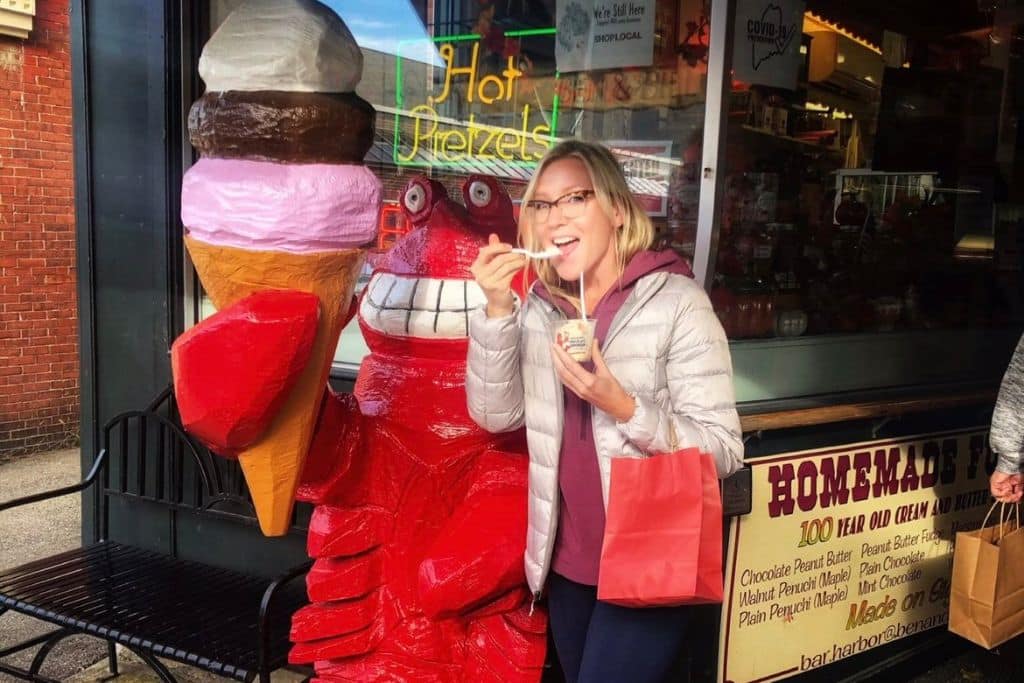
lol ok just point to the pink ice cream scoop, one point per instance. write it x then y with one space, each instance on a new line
298 208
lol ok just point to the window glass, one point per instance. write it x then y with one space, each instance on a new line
476 87
872 170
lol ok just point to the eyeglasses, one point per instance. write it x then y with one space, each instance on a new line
570 204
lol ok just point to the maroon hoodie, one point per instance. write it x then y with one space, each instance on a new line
577 552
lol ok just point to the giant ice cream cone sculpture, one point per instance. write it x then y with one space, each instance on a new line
280 200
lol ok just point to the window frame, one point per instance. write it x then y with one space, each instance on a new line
774 373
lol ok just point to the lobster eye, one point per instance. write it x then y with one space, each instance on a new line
480 193
415 198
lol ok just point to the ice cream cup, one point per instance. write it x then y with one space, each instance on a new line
575 336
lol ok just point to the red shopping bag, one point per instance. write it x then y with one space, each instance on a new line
663 532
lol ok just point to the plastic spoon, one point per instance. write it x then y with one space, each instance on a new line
550 252
583 298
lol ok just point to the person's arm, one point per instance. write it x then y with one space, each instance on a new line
1007 432
494 385
703 405
494 382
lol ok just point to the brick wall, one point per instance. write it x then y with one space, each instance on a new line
38 316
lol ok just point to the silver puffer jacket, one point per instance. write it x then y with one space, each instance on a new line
665 346
1007 432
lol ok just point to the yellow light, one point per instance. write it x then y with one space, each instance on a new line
972 242
813 22
975 247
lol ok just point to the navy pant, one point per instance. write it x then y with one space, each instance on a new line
598 642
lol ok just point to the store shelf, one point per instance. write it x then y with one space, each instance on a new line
789 139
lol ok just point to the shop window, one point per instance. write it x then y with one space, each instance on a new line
477 87
873 183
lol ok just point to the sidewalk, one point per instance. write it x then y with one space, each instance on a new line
50 527
1005 664
37 531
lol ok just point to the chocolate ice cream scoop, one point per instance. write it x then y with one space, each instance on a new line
290 127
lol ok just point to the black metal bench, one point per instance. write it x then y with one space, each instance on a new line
156 604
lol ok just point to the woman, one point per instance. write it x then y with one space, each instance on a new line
660 364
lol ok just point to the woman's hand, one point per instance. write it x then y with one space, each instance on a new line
1006 488
493 270
598 388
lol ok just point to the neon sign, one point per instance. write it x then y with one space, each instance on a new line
423 137
501 89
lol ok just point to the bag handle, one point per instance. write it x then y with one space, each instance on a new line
1003 517
984 523
1003 521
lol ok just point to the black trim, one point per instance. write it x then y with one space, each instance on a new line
176 89
85 248
867 396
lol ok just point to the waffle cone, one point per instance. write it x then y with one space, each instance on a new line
272 466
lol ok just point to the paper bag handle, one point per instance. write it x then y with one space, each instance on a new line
1003 517
1002 521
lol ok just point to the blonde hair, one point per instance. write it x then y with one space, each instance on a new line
611 191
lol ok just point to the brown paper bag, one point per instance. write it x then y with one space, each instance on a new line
986 604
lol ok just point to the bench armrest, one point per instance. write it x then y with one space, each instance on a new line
90 479
265 604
